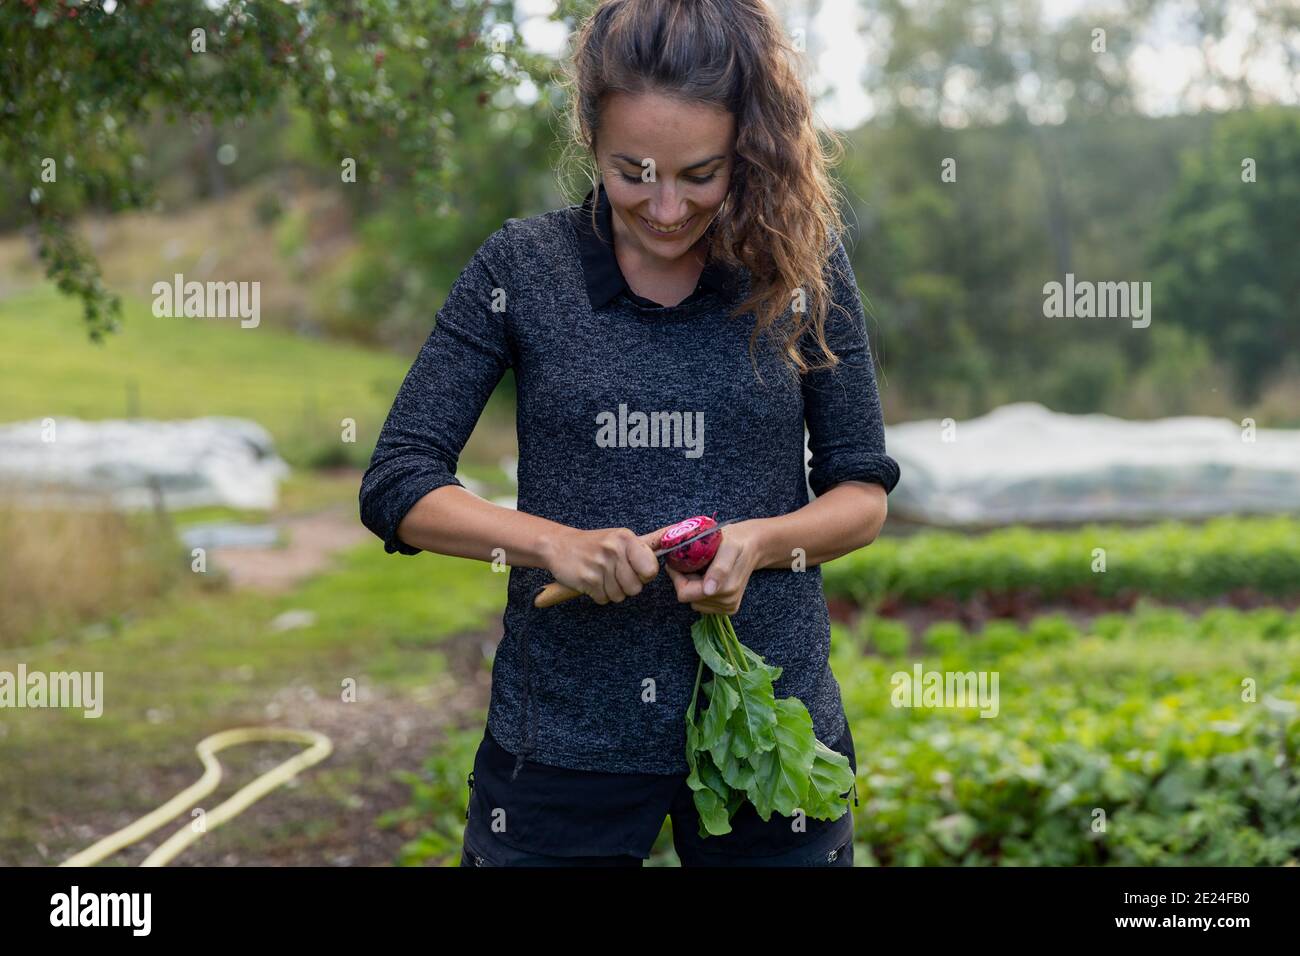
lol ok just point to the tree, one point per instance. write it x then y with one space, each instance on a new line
1228 247
387 83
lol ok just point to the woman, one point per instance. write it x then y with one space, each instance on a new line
701 290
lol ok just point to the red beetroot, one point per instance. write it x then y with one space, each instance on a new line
696 555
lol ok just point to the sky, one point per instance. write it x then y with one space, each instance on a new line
840 35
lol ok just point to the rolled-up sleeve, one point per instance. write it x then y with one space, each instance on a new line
443 394
846 430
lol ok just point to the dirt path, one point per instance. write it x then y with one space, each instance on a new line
311 541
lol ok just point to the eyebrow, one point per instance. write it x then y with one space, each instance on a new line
702 162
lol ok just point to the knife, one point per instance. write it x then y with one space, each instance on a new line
557 593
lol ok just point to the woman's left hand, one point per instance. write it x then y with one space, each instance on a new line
721 586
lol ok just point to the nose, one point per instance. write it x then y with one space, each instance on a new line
668 205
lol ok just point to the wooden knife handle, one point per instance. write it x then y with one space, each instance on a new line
555 593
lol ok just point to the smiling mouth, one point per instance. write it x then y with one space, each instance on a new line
665 232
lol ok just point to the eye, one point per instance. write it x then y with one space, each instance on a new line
698 180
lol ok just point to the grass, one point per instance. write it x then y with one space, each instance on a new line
117 562
299 389
200 662
121 562
182 368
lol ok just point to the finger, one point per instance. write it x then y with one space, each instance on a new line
642 559
651 538
720 602
612 588
628 580
715 608
596 589
690 587
677 578
719 570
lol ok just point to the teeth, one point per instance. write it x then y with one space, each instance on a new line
655 228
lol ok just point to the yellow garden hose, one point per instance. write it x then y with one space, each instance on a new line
320 748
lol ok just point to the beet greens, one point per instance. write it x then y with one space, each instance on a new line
749 744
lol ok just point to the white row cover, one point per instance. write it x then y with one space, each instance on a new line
1025 463
1019 463
119 462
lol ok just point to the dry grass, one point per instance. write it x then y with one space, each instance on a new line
62 567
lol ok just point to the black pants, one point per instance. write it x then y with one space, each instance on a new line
780 841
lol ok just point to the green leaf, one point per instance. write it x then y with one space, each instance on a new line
954 832
712 776
781 774
709 647
690 711
753 722
755 660
693 778
830 779
736 771
714 818
724 698
692 747
734 801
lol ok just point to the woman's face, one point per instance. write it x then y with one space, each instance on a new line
690 149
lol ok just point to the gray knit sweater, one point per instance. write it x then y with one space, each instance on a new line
630 415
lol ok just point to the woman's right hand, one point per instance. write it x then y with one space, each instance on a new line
608 564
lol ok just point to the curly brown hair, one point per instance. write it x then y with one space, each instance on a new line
781 215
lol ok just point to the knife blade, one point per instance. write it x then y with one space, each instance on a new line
695 537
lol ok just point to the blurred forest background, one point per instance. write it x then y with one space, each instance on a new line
1058 169
1164 148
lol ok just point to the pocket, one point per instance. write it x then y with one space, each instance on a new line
470 855
841 849
841 855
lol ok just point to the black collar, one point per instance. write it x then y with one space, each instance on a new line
600 266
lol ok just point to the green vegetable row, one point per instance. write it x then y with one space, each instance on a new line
1170 560
1152 738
